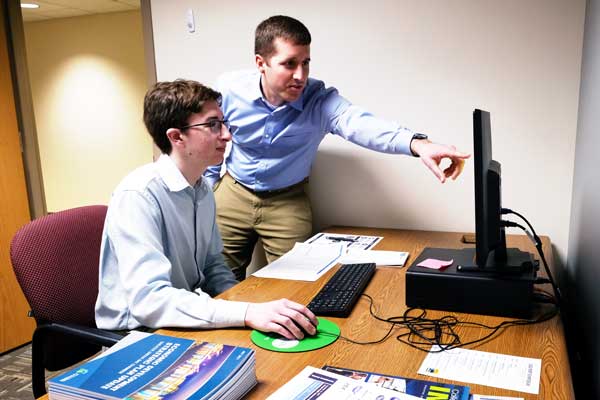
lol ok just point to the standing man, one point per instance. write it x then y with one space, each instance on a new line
282 115
160 260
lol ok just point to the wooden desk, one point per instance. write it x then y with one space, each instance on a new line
544 340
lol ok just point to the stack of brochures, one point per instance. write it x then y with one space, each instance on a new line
332 383
151 366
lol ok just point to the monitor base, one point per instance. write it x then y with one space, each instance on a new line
515 262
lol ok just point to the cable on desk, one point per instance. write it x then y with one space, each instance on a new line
424 332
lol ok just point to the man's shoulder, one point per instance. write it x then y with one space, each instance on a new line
315 86
314 82
139 179
316 92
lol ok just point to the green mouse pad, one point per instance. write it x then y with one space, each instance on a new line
327 333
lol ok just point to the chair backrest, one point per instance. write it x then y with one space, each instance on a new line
55 259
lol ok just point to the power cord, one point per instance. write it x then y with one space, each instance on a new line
538 245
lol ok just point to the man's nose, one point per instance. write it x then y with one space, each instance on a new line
301 73
226 132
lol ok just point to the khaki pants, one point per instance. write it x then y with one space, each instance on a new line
279 219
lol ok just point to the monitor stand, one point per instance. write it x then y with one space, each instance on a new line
509 261
485 291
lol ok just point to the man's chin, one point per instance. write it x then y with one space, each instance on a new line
217 160
290 98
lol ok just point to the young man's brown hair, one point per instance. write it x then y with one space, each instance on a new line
170 104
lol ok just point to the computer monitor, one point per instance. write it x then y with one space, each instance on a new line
489 233
490 238
490 278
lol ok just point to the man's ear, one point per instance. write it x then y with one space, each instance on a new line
175 136
260 63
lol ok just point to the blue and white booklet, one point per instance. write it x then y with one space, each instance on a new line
415 387
152 366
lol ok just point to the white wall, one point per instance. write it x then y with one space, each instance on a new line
88 81
427 64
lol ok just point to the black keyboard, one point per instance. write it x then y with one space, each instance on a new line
341 292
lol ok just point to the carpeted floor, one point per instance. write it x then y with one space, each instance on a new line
15 374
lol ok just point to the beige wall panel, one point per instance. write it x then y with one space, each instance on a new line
88 80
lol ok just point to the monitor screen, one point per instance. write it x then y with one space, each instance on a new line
490 248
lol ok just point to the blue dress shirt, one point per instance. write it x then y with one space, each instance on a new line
275 147
160 259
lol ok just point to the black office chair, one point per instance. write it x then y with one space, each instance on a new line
55 259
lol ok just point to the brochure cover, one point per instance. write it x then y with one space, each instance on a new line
158 367
414 387
313 383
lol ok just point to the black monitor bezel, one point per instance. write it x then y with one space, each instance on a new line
490 247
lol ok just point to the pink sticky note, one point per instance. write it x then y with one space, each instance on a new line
435 264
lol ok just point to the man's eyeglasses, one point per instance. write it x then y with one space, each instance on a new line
215 125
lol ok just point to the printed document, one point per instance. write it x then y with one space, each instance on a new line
352 241
379 257
132 337
313 383
484 368
305 262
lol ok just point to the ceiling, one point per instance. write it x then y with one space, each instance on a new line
50 9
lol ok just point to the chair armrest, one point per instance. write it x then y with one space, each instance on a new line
90 335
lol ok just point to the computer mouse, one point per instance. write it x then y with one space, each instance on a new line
306 333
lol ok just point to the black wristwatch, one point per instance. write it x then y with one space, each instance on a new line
417 136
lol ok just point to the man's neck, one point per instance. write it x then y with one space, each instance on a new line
190 171
268 98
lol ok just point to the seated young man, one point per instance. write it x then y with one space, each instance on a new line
161 261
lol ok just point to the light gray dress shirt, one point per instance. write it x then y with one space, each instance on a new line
160 261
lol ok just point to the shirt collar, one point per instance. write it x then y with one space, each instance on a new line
170 174
298 104
255 93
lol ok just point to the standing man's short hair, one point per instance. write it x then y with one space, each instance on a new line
279 26
170 104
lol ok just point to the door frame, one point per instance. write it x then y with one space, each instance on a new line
24 107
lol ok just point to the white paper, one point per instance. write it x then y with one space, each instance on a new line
484 368
313 383
486 397
379 257
131 337
305 262
352 241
